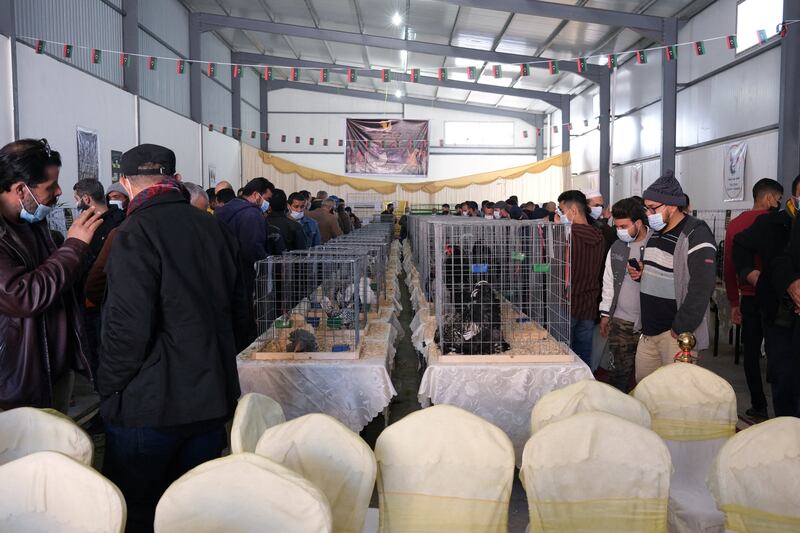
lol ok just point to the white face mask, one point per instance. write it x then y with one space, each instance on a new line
497 214
264 206
656 221
464 214
597 211
117 203
296 215
625 236
562 216
488 217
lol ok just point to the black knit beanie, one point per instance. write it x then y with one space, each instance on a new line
666 190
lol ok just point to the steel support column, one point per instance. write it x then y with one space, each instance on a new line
130 44
195 69
669 99
605 137
236 102
539 123
565 120
264 111
8 28
789 119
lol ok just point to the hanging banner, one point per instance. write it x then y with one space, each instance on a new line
88 154
733 173
636 180
387 147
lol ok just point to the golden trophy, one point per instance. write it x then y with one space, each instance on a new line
686 342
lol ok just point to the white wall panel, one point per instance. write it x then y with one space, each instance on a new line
251 121
638 85
162 126
637 135
6 93
251 91
716 20
55 99
224 154
163 85
212 49
169 20
216 101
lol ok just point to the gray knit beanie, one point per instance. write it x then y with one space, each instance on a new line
666 190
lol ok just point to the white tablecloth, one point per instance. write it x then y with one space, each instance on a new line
353 392
503 394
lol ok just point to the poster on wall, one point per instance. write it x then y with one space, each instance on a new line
212 176
733 176
116 165
636 180
387 146
88 155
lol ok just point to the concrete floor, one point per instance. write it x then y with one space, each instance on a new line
406 378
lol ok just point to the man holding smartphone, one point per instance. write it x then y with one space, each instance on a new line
677 277
620 309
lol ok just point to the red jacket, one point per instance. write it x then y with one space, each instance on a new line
733 285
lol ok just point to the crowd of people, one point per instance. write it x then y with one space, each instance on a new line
150 296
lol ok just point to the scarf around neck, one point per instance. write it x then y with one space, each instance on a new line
167 185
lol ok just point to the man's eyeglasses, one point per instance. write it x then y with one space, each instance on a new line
653 208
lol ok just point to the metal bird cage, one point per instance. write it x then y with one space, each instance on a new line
501 287
378 257
309 303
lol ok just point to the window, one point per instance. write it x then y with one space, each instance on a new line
755 15
479 133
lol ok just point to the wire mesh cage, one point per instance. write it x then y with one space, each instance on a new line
501 287
309 303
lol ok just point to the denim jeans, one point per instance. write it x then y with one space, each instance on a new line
143 462
752 335
581 339
783 368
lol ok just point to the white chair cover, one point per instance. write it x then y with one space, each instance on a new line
755 478
444 469
47 492
694 411
255 413
585 396
596 472
27 430
242 493
336 460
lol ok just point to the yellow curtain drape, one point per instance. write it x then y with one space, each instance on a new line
385 187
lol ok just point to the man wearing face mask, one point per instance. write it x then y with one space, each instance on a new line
619 309
176 314
42 340
279 219
677 277
117 196
767 194
757 253
502 210
89 194
258 192
588 252
297 212
600 216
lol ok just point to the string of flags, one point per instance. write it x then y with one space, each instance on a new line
612 60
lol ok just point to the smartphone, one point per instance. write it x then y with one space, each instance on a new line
634 264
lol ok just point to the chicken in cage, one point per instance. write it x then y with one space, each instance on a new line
309 303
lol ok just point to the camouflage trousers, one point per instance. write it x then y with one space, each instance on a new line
622 343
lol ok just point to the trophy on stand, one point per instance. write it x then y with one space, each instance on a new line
686 342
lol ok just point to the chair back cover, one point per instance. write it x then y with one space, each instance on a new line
48 491
688 403
584 396
27 430
255 413
596 472
336 460
444 469
242 493
756 478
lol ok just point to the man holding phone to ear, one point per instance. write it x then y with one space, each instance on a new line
620 309
677 277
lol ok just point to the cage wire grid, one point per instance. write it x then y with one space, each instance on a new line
310 303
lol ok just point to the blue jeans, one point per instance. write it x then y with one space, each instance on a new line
581 339
143 462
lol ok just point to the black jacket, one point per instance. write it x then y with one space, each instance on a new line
766 238
111 219
175 316
291 231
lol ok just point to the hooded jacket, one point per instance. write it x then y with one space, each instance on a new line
41 331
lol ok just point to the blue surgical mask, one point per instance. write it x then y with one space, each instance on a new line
562 216
656 221
296 215
625 236
264 206
37 216
597 211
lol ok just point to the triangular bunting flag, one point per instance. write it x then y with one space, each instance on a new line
341 142
96 54
671 52
268 73
124 59
252 134
237 133
581 65
442 74
386 75
311 141
524 70
555 129
295 74
152 62
323 74
180 66
414 75
224 130
762 37
497 71
641 57
612 61
700 48
524 134
283 138
352 75
39 46
297 140
538 132
324 142
210 127
68 50
212 70
554 67
472 73
236 71
733 42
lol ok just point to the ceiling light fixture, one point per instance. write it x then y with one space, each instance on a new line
397 19
398 93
